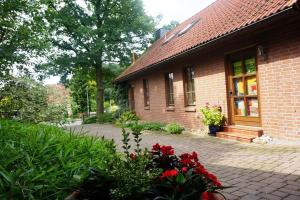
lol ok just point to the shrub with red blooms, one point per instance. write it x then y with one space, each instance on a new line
182 177
158 174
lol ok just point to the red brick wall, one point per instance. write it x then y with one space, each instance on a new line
279 82
209 87
279 77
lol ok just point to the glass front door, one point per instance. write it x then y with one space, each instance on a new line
243 91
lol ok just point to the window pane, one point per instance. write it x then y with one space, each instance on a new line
169 88
238 87
251 85
190 85
237 68
191 98
250 65
146 92
252 107
171 99
239 107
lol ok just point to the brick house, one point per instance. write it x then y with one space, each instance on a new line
242 55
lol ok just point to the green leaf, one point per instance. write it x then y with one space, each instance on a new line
180 179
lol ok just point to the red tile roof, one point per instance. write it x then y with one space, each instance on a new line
220 18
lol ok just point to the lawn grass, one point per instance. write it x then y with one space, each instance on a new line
45 162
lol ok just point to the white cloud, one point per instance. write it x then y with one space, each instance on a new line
178 10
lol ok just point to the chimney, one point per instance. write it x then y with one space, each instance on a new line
160 33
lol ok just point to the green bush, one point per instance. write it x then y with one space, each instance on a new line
127 119
90 120
45 162
174 128
106 118
153 126
135 178
24 99
57 114
212 115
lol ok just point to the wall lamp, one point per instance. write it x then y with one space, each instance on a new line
261 51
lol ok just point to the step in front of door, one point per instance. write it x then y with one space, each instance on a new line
248 130
242 137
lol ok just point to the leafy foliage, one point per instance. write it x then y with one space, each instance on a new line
127 119
24 99
153 126
171 25
102 119
106 117
55 113
174 128
90 120
212 115
23 34
46 162
99 33
82 84
127 178
158 174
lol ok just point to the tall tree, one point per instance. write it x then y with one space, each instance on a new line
170 25
23 34
91 33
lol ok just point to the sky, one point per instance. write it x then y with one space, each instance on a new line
178 10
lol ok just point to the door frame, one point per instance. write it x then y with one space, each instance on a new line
241 54
131 98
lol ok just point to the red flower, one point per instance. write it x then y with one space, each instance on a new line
211 176
208 196
167 150
217 183
195 156
201 170
156 147
169 173
184 169
132 156
190 160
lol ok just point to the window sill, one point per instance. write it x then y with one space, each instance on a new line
190 109
147 108
170 108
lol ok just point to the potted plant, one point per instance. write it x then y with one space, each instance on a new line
213 118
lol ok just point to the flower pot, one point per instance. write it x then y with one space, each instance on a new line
214 129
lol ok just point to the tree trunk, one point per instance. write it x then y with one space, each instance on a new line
99 89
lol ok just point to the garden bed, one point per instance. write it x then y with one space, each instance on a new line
45 162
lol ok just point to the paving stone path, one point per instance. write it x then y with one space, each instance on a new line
254 171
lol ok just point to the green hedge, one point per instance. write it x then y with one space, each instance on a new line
45 162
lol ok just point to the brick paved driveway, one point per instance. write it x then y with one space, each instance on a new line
255 171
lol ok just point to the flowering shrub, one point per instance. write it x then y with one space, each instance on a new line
149 175
183 177
212 115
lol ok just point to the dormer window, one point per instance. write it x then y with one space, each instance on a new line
188 27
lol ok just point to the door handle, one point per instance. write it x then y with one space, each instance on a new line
230 93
